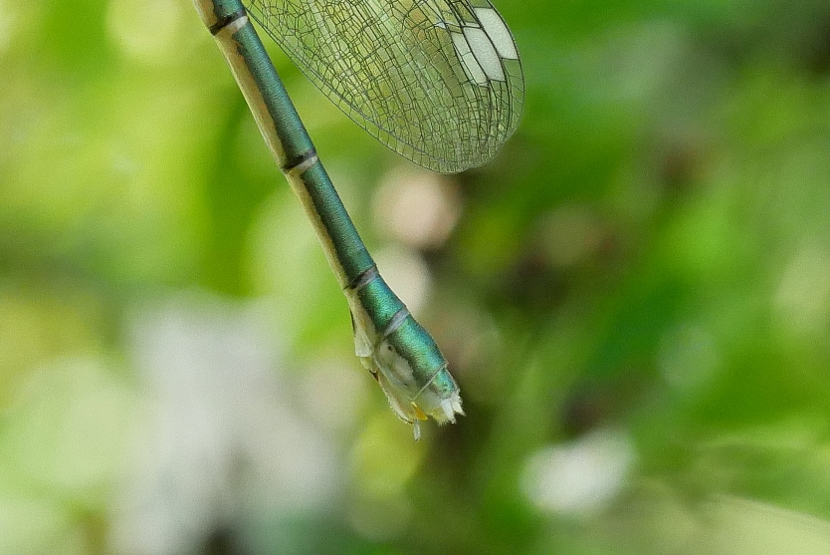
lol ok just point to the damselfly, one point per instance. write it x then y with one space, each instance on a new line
438 81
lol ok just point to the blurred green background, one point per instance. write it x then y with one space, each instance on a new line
634 297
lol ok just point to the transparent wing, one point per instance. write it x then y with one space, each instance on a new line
438 81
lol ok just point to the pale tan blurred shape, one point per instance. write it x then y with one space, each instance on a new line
417 208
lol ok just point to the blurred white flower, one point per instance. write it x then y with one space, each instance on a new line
223 434
581 477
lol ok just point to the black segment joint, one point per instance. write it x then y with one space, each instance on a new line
365 277
217 27
299 160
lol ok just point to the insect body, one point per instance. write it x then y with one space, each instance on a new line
438 81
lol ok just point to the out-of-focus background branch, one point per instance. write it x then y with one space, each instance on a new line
634 297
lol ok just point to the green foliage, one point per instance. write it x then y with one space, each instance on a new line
634 298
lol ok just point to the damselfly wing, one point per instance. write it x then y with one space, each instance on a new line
438 81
